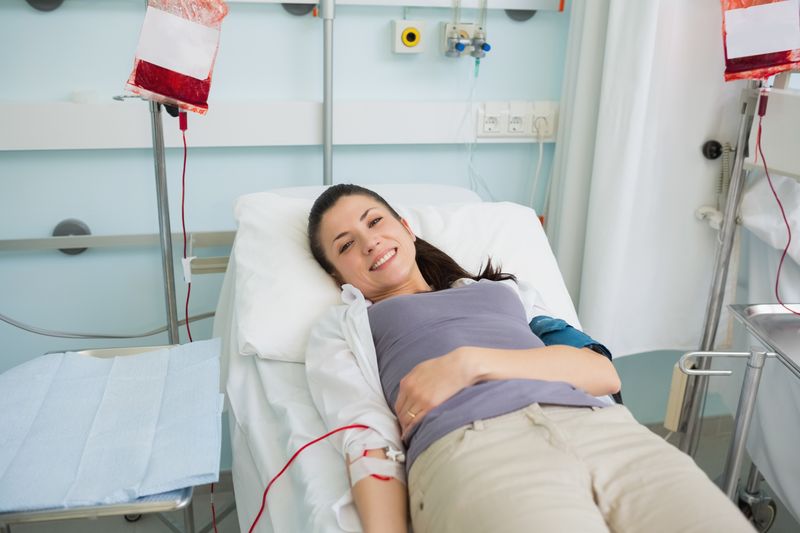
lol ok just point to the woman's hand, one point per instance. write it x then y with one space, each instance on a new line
429 384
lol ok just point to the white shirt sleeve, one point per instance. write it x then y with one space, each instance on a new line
531 299
341 393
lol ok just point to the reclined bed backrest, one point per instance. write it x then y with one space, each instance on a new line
280 290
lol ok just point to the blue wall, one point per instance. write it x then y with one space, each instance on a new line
265 54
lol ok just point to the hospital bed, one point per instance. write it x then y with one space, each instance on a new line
271 294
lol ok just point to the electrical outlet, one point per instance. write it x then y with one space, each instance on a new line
492 119
516 124
544 117
519 117
491 124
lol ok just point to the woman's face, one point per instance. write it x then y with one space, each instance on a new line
370 249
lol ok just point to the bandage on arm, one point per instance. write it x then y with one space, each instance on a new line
376 464
381 504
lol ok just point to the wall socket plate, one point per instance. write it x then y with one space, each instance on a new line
518 119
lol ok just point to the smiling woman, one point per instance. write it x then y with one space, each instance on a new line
371 249
500 431
366 243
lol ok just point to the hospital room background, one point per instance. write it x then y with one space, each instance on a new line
631 90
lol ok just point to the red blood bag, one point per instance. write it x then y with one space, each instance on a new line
761 37
176 52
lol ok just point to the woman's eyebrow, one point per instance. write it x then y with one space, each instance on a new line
361 219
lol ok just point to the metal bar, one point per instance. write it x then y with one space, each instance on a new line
188 518
753 480
167 523
209 265
163 223
327 8
200 240
744 415
697 386
156 506
684 366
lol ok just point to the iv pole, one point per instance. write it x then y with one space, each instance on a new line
327 8
696 387
163 222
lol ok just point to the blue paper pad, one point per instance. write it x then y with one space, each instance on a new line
78 430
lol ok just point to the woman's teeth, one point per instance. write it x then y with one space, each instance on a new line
383 259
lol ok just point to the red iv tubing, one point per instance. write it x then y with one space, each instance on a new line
279 474
762 110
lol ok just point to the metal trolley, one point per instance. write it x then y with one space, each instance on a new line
777 329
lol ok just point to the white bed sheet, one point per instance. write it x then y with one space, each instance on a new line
271 415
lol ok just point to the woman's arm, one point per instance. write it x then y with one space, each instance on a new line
432 382
381 505
580 367
343 397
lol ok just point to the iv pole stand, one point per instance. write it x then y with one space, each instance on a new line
327 8
697 386
165 232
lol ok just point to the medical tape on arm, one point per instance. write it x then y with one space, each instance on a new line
366 466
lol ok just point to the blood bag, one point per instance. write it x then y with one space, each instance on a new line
176 53
761 37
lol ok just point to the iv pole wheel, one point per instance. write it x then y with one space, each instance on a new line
761 514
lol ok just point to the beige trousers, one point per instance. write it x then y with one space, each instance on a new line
563 469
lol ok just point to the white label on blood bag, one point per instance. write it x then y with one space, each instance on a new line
762 29
177 44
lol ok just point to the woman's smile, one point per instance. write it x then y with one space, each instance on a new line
388 256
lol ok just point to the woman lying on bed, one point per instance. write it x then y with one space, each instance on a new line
501 432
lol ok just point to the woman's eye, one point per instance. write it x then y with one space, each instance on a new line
345 246
375 221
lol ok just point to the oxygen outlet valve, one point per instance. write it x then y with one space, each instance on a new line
456 44
479 45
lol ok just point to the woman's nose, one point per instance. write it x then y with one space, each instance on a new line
370 244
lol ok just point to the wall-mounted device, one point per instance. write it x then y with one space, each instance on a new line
464 39
407 36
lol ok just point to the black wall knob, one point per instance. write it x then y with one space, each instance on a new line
712 149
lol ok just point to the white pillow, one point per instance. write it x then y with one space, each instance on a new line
281 290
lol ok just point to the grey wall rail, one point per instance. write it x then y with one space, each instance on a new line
200 265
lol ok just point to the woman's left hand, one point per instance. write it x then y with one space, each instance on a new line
429 384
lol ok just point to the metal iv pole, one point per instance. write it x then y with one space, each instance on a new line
163 222
697 385
327 7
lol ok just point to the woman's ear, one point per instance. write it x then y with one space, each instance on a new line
406 225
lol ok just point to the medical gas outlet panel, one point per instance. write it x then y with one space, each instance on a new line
408 36
464 39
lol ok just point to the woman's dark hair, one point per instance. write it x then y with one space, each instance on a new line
438 268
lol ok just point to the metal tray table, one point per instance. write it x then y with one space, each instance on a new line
156 503
778 330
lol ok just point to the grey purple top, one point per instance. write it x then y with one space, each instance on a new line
413 328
